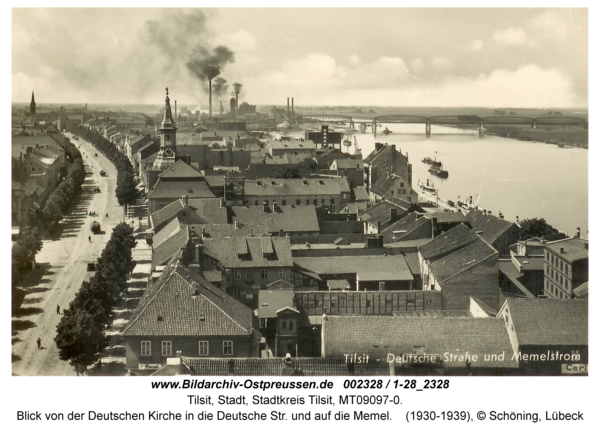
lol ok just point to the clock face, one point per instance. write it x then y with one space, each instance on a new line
168 152
167 136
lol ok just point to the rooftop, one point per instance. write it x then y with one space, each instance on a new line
367 268
570 249
296 186
271 301
289 218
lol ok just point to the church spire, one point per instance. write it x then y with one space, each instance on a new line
32 105
168 118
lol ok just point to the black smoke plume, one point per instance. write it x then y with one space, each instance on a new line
219 86
206 65
237 87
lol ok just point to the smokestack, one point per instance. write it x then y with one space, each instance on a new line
175 111
210 98
236 100
288 107
293 113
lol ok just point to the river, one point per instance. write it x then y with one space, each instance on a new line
518 178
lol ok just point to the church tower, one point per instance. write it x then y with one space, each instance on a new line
168 133
32 105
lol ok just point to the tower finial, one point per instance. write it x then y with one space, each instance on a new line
167 89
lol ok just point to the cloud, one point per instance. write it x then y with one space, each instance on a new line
417 65
354 59
513 36
550 25
476 45
241 40
441 63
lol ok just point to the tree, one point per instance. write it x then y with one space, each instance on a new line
79 338
23 254
539 228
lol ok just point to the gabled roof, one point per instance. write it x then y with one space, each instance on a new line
360 193
289 218
377 336
183 303
380 212
271 301
172 188
210 209
296 186
461 260
448 242
169 246
448 217
383 152
408 224
225 250
180 170
348 163
491 227
388 182
242 230
552 322
176 209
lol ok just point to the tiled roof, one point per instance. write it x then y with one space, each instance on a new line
574 249
176 188
380 212
412 259
461 259
448 242
169 246
408 223
448 217
243 230
491 227
387 182
183 303
552 322
366 267
225 250
209 209
276 367
379 335
360 193
176 209
271 301
296 186
292 145
180 169
349 163
289 218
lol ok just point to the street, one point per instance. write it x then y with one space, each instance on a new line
63 264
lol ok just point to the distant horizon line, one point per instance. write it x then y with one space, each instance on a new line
296 106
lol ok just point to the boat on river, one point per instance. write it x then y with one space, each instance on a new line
432 162
438 171
428 188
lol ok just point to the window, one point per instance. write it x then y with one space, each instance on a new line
249 275
255 203
283 202
401 184
264 273
166 348
33 169
332 201
262 323
237 274
228 347
392 192
202 348
322 201
404 191
287 325
146 348
236 293
161 206
297 201
15 204
307 201
282 273
315 202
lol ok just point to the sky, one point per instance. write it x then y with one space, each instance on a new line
489 57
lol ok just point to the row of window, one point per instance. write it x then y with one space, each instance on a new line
557 263
557 277
167 348
249 274
555 291
315 202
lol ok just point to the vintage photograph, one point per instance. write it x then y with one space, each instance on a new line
299 192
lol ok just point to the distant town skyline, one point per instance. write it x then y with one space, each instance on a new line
356 57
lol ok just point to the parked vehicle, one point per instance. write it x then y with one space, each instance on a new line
103 173
91 266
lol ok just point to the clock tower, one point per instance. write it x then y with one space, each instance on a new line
168 133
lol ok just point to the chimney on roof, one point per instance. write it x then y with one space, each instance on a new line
281 232
393 214
274 207
184 199
434 227
394 147
378 227
578 233
200 253
265 207
236 224
562 250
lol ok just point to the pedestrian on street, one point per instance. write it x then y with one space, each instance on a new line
58 309
39 343
89 238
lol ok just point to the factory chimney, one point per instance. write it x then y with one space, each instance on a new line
176 110
293 113
210 98
288 107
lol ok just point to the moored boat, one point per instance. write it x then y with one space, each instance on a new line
438 171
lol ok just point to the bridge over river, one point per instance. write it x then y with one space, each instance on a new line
481 123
